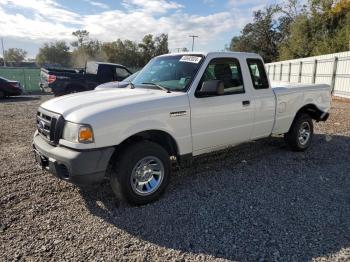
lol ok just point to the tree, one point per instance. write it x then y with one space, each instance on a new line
147 48
82 37
85 49
322 29
261 36
126 52
299 42
123 52
161 44
294 30
54 53
15 55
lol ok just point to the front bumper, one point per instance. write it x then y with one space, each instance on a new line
77 167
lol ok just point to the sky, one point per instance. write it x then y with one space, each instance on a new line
27 24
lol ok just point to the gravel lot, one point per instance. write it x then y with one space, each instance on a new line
256 202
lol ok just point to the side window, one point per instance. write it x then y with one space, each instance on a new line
228 71
258 73
122 73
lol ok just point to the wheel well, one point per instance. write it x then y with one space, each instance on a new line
159 137
312 111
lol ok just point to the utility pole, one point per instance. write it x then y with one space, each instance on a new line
3 51
193 37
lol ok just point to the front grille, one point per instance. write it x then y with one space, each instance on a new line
49 125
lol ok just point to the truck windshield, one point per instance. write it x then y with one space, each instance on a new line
173 72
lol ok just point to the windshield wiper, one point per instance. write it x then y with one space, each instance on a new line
157 85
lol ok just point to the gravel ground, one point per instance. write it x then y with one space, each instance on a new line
256 202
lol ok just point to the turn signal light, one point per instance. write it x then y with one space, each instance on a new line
86 134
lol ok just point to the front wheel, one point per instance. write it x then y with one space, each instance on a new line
301 133
141 173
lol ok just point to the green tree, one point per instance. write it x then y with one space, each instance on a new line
147 48
161 45
122 52
15 55
322 29
261 36
54 53
82 37
85 49
300 40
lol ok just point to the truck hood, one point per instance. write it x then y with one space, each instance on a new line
80 107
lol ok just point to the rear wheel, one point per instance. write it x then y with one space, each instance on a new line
141 173
2 95
301 133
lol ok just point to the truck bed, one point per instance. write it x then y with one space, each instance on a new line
291 96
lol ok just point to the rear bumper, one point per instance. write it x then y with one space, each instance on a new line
77 167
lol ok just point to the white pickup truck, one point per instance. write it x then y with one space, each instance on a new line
178 106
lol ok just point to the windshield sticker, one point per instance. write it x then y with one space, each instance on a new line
191 59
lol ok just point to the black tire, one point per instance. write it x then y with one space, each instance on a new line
125 164
300 135
2 95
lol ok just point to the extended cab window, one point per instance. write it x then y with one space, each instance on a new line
258 73
228 71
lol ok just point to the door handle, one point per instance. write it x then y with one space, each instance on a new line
246 103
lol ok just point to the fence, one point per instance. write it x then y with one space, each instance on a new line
332 69
28 77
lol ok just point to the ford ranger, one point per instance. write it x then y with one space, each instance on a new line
177 107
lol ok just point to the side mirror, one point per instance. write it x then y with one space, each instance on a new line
211 88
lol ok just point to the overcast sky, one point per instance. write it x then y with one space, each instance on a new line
29 23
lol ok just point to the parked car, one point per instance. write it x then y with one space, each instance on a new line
9 88
66 81
179 106
116 84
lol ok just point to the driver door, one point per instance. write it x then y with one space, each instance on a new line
224 120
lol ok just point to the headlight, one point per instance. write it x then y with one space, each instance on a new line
78 133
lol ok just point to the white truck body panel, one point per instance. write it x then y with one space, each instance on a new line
291 97
116 114
203 124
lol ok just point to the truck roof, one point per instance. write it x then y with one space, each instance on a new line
104 63
213 54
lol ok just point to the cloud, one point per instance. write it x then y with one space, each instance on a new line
151 6
98 4
47 20
44 10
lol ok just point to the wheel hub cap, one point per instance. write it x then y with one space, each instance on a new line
147 175
304 133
